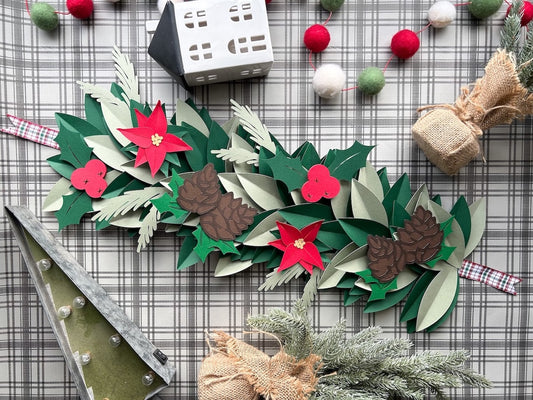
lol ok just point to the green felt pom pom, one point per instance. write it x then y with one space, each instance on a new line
44 16
484 8
331 5
371 81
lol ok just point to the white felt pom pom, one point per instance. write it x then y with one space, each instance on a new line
442 14
329 80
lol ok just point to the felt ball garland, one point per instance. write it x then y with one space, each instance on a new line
45 17
329 79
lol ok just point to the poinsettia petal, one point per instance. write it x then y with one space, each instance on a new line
289 234
142 137
173 143
155 156
141 157
310 231
308 267
157 120
311 255
278 244
142 120
291 256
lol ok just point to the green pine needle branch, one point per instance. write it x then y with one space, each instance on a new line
366 366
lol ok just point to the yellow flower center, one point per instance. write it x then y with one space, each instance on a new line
156 139
300 243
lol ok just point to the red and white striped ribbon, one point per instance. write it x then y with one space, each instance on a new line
492 277
31 131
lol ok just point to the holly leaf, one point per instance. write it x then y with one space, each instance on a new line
344 164
74 206
206 245
288 170
187 256
307 154
73 148
379 290
168 203
444 253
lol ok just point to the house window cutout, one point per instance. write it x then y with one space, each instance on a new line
244 45
197 19
245 73
256 71
211 77
243 13
200 78
196 53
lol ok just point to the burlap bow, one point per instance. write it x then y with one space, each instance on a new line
449 134
238 371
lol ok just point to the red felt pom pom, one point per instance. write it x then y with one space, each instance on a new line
268 1
316 38
81 9
405 44
527 10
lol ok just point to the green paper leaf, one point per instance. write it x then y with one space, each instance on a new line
444 253
365 205
260 234
197 157
104 148
307 154
438 297
188 115
448 313
359 229
94 115
399 216
382 173
354 262
340 203
166 203
366 274
74 207
54 199
412 304
262 190
123 183
399 192
391 299
288 170
332 275
478 216
302 215
187 256
249 120
349 299
369 177
332 235
226 266
73 148
461 213
379 290
347 282
420 198
218 139
61 167
276 278
206 245
437 199
344 164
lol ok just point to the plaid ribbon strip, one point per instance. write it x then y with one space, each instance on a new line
497 279
30 131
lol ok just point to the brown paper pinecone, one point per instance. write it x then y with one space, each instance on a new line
421 237
386 258
200 193
228 220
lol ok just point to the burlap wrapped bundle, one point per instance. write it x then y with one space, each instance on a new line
238 371
449 134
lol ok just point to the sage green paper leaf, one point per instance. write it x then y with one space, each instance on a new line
276 278
54 200
230 126
141 172
461 213
368 176
226 266
448 313
261 235
332 276
391 299
478 216
365 205
262 190
74 207
185 113
412 305
355 261
359 229
420 198
125 73
339 204
231 183
104 148
117 115
288 170
187 256
344 164
438 297
311 288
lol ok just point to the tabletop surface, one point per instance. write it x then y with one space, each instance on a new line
38 74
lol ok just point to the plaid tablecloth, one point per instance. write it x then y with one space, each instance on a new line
38 71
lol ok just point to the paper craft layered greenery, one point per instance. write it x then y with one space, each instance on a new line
327 365
234 190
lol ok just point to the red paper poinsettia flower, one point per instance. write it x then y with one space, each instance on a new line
153 140
298 247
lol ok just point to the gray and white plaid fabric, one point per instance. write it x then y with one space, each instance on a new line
38 71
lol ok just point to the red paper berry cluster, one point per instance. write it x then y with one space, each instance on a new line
320 184
90 178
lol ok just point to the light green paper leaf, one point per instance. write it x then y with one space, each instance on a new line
131 220
142 172
368 176
206 245
231 183
185 113
437 298
262 189
104 148
226 266
311 288
354 262
365 205
339 204
261 235
478 216
54 200
238 156
332 276
420 198
125 73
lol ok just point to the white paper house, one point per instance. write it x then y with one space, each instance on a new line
207 41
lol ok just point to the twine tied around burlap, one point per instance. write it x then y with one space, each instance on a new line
449 134
235 370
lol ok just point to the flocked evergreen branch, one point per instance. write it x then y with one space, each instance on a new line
254 126
367 366
510 34
148 226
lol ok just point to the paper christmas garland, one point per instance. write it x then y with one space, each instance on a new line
234 190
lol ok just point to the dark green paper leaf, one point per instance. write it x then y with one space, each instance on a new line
461 213
382 173
410 309
288 170
93 114
307 155
332 235
73 148
304 214
218 139
359 229
399 192
187 256
344 164
122 183
399 215
74 207
349 299
391 299
61 167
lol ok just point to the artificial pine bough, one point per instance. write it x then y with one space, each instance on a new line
326 365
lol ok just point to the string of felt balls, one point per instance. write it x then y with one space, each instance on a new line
45 17
330 79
